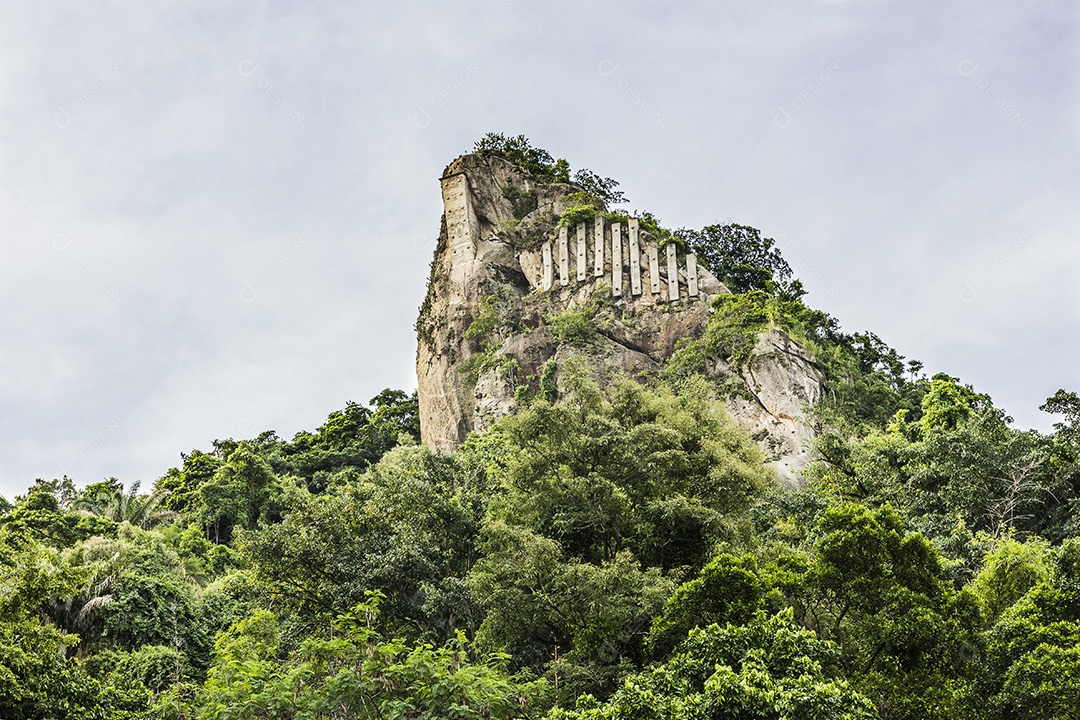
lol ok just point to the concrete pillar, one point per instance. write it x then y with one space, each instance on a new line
672 273
616 259
549 278
635 258
564 258
691 275
598 246
581 252
654 269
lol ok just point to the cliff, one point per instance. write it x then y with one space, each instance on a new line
525 277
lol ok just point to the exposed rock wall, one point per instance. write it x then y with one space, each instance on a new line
509 295
783 381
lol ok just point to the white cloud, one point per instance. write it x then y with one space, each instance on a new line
202 140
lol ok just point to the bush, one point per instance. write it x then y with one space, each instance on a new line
577 214
535 161
574 327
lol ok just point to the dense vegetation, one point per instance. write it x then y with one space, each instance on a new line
617 552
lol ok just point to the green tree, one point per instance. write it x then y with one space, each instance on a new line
768 669
729 589
607 498
653 472
866 381
601 188
45 515
959 459
406 528
357 673
535 161
1009 570
744 260
40 676
908 639
182 484
1067 404
108 499
242 493
582 622
1063 517
135 592
1033 665
356 437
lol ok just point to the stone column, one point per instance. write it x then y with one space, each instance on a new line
672 273
564 258
691 275
654 269
549 275
598 247
616 259
581 252
635 258
462 226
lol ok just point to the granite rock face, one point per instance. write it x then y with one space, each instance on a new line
783 380
512 296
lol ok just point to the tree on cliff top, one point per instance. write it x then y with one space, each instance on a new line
743 259
544 168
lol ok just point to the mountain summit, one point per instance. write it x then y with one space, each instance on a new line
532 270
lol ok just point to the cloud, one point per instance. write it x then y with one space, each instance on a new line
250 200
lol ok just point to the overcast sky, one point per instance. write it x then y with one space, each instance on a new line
216 219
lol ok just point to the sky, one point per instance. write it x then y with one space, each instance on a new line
216 219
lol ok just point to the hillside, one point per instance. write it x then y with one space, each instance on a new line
644 481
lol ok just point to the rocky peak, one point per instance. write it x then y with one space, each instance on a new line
528 274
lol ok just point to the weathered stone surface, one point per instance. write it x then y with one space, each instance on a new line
549 278
783 381
672 274
616 259
654 269
691 275
564 258
635 257
496 266
598 247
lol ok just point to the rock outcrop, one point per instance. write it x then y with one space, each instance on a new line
513 295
